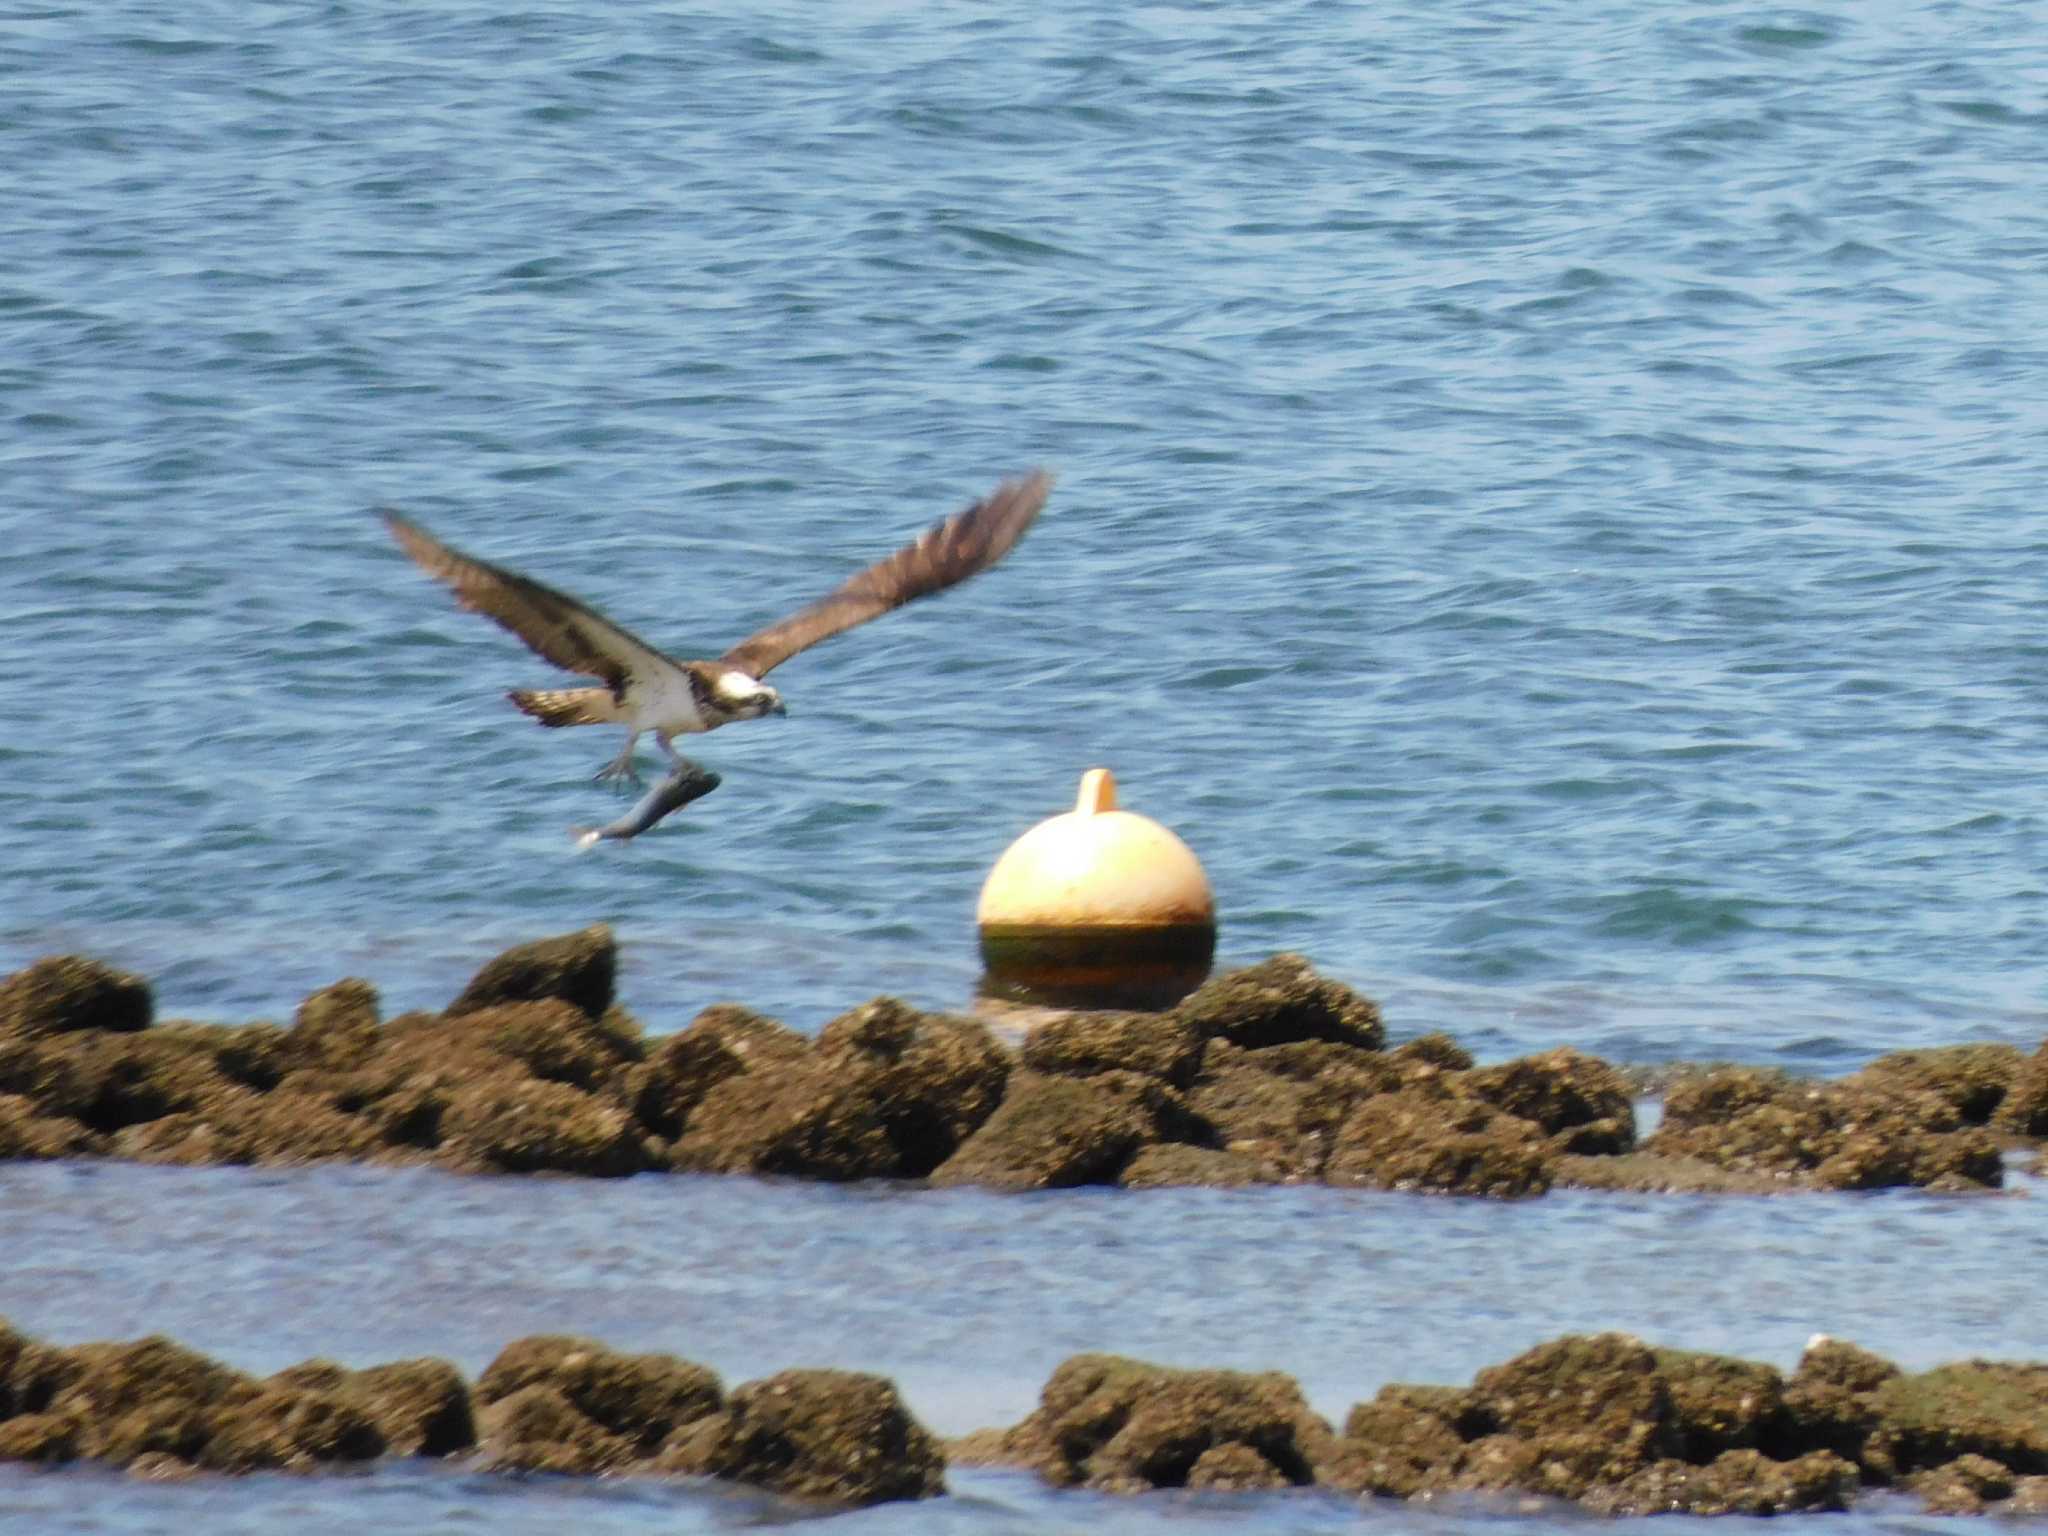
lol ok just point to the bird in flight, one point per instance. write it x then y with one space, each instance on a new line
644 690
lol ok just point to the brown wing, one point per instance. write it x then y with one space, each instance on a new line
553 624
945 554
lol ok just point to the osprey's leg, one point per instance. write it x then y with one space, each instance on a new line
620 769
666 740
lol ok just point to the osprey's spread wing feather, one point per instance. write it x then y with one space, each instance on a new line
554 625
945 554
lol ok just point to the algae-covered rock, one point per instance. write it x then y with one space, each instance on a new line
1399 1445
1578 1100
553 1040
1971 1079
839 1437
1846 1135
1421 1141
1171 1164
1980 1408
1125 1426
26 1134
418 1407
1280 1001
336 1027
577 968
798 1118
1831 1402
2024 1110
721 1042
558 1403
1083 1044
66 993
1285 1104
933 1079
1738 1482
510 1124
1059 1132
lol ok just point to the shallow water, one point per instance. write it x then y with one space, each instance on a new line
1548 510
968 1299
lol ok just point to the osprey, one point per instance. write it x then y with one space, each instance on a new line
645 690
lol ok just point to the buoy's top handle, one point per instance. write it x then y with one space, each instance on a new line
1098 793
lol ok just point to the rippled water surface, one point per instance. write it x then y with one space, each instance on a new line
1549 509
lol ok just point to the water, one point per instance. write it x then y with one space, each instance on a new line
1548 510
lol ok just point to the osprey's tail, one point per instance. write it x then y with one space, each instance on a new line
568 706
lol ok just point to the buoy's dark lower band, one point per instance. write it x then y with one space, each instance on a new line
1096 967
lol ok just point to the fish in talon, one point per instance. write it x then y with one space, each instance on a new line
690 781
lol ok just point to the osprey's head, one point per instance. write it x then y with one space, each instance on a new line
748 698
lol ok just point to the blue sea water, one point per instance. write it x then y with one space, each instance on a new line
1548 509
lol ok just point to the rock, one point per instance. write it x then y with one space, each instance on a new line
798 1119
1847 1135
1171 1163
1655 1173
1594 1409
1435 1049
136 1078
721 1042
1235 1468
1059 1132
510 1124
1083 1044
1977 1408
839 1437
537 1429
161 1407
66 993
576 967
2024 1110
933 1078
1126 1426
291 1428
1285 1104
418 1407
1402 1444
554 1041
26 1134
1280 1001
562 1404
337 1027
1415 1141
1579 1101
1719 1404
1832 1400
1971 1079
1740 1482
1963 1486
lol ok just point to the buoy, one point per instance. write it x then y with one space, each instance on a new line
1097 908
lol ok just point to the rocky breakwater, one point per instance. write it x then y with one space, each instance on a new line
1602 1421
1270 1074
546 1404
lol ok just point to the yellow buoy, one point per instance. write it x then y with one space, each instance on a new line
1097 908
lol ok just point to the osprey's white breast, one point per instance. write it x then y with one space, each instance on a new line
666 702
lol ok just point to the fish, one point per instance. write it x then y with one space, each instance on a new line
690 781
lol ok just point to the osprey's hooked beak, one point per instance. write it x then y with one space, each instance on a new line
779 708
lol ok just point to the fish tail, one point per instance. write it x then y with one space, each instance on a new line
587 838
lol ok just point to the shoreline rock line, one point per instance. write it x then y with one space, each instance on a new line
1602 1421
1267 1075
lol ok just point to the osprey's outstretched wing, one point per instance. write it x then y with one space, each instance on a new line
945 554
554 625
